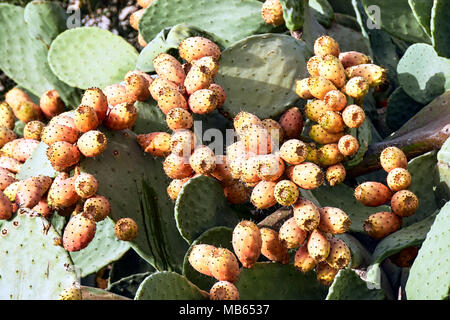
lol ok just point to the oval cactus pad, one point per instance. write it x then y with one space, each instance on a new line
258 74
91 57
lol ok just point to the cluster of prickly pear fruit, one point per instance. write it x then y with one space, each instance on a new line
136 16
335 79
404 203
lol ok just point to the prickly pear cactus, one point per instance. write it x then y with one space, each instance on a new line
77 57
440 27
150 118
37 164
348 285
422 11
37 266
401 107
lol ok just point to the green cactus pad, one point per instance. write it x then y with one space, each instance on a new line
422 11
348 285
128 286
293 13
360 255
241 17
347 21
135 185
34 267
323 11
442 178
364 136
201 205
45 20
20 53
423 74
169 286
267 88
440 28
218 237
101 251
401 107
150 119
37 164
397 19
91 57
130 263
342 6
312 30
429 278
348 39
264 282
58 222
341 196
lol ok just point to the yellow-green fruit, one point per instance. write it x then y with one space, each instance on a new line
11 191
330 155
27 111
334 220
357 87
331 68
321 136
92 143
291 234
7 118
319 87
336 174
71 293
301 89
374 75
314 154
126 229
332 122
315 108
286 192
306 215
325 273
33 130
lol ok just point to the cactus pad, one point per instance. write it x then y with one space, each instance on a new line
218 237
168 285
422 11
429 278
91 57
348 285
293 13
401 107
150 119
440 27
423 74
267 88
360 255
323 11
128 286
34 266
203 198
37 164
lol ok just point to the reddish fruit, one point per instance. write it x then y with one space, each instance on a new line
224 290
224 265
247 243
43 209
237 193
308 176
405 258
6 135
272 247
63 155
169 68
195 48
51 104
79 232
291 234
303 261
353 58
306 215
262 195
6 178
56 132
62 192
393 157
6 207
121 116
380 225
96 99
326 45
175 186
92 143
398 179
126 229
31 190
334 220
116 94
177 167
372 194
85 118
318 246
404 203
199 258
220 94
155 143
348 145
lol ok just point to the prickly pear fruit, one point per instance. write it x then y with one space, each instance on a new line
286 193
51 104
117 93
15 97
291 234
258 140
248 170
262 195
294 151
63 155
334 220
237 193
7 118
308 176
335 100
175 186
96 99
6 135
169 68
64 120
135 17
182 142
405 258
303 261
195 48
306 215
372 194
121 116
398 179
220 94
203 101
79 232
43 208
31 190
380 225
10 164
292 123
177 167
224 265
318 245
247 243
62 192
210 63
144 3
393 157
6 207
155 143
325 273
313 66
315 108
33 130
330 68
374 75
71 293
6 178
330 155
275 130
272 12
179 118
126 229
326 45
336 174
235 150
404 203
272 247
198 78
340 254
11 190
20 149
56 132
86 185
357 87
85 118
332 122
203 160
348 145
92 143
353 116
27 111
199 258
301 89
243 121
270 167
222 171
224 290
321 136
353 58
319 87
160 85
